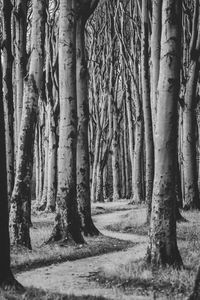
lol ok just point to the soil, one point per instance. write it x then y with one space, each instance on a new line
73 277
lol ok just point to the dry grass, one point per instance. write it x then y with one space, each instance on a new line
162 283
36 294
132 222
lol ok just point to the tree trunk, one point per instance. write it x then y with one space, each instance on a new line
155 54
162 248
115 155
67 223
8 93
191 198
43 202
126 157
137 173
128 106
83 164
21 197
99 183
20 12
7 280
52 165
95 165
148 131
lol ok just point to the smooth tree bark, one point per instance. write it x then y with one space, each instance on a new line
7 280
21 196
131 129
148 130
191 196
43 203
52 165
7 59
155 55
20 13
162 248
115 154
83 163
139 137
67 226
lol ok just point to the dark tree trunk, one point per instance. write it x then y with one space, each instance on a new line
8 94
83 165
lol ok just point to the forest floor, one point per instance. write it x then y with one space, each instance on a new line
112 269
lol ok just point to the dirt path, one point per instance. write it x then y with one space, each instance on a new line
72 277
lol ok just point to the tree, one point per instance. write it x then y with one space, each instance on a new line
7 58
7 280
20 13
83 163
191 196
21 196
148 130
67 223
155 54
162 248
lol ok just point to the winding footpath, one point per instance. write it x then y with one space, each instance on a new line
72 277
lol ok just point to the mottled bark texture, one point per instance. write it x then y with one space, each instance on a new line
21 196
83 164
67 223
148 130
7 280
115 154
162 248
155 55
191 196
20 13
7 59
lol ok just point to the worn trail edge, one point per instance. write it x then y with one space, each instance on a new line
72 277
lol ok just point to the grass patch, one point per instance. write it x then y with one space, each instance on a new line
42 255
132 222
109 207
137 276
37 294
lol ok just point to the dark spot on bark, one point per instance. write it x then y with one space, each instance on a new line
82 170
72 135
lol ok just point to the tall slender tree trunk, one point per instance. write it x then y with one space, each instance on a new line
21 196
20 13
115 155
52 165
95 164
126 156
43 203
7 280
67 223
191 197
7 58
155 54
137 174
129 113
148 130
162 248
83 164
